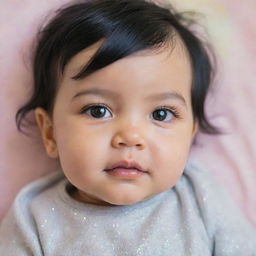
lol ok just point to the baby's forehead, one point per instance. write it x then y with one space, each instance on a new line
142 76
174 49
81 59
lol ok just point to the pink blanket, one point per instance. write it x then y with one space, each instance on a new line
231 157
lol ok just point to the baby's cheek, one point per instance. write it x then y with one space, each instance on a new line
170 164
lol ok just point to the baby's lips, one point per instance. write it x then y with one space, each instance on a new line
126 165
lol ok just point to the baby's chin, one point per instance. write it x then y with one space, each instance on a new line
126 200
119 200
111 200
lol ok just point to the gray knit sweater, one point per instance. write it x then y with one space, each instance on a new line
194 218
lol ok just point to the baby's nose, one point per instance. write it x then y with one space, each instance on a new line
129 137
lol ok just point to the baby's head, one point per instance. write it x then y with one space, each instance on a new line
119 92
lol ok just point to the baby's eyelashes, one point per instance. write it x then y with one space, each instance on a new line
101 111
97 111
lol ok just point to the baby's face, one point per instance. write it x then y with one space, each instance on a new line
135 113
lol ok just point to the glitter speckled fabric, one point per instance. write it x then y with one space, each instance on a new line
193 218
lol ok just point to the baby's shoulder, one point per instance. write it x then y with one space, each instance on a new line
34 192
200 188
40 185
20 223
200 182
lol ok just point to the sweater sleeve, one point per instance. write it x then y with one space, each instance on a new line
18 234
18 231
231 233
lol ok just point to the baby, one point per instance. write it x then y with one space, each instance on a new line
119 93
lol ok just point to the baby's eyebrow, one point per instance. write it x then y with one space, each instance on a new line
98 92
166 96
114 95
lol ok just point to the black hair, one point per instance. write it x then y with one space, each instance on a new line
127 26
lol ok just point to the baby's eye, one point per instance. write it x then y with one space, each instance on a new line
163 114
97 111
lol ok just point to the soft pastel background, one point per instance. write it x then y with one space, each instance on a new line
231 27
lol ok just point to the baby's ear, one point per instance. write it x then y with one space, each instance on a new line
46 128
